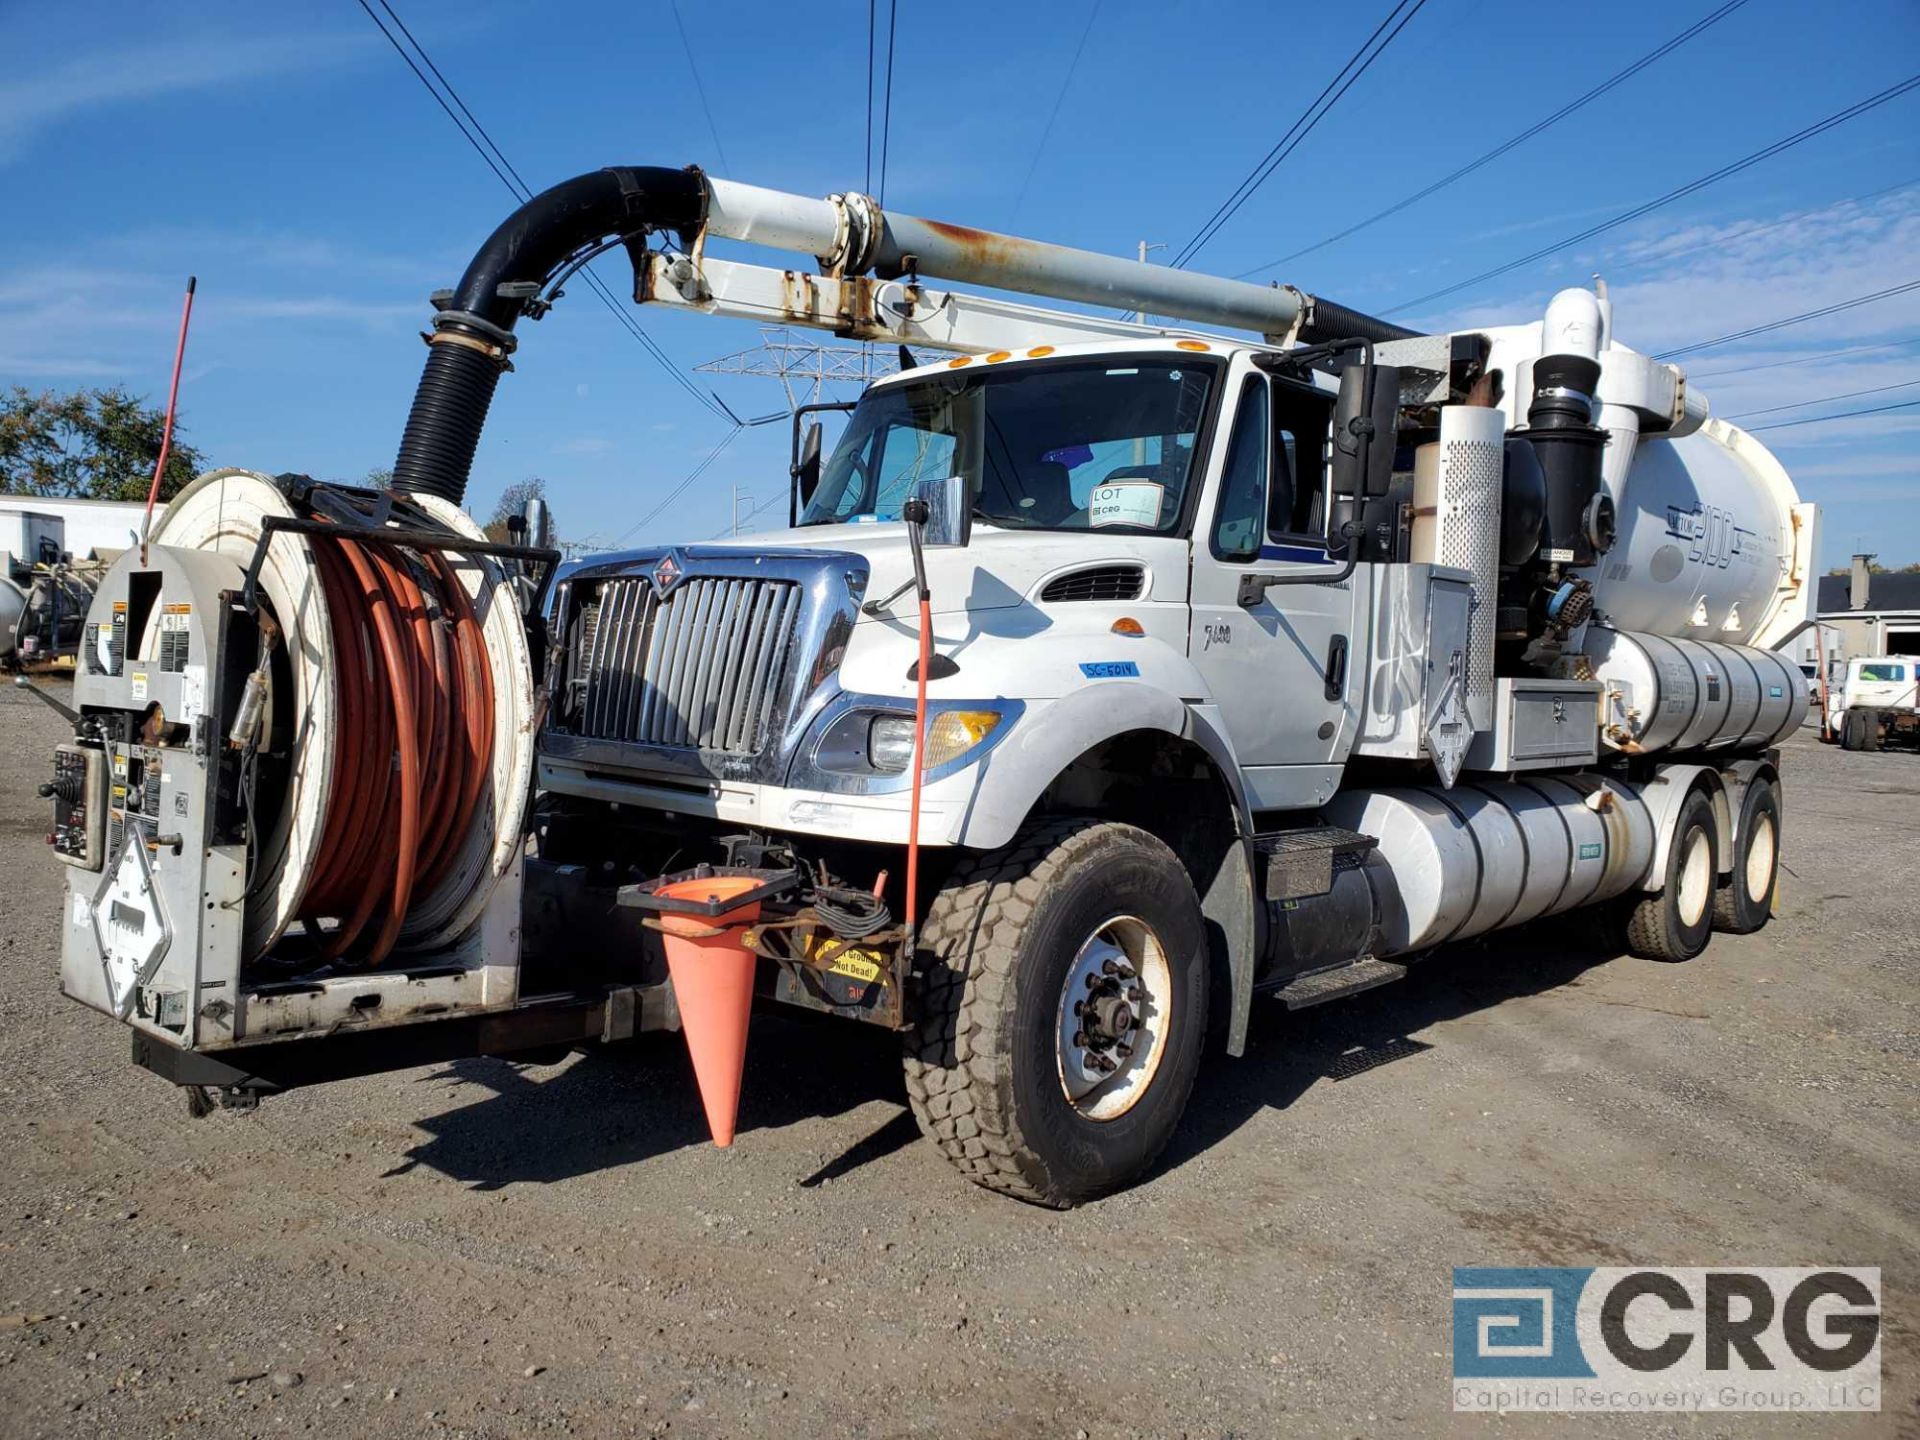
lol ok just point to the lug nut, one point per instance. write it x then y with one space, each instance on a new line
1080 1038
1079 1006
1133 994
1125 1052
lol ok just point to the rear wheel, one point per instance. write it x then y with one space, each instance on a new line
1744 900
1061 1011
1850 730
1869 730
1675 923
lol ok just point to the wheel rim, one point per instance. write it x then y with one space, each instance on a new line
1760 857
1114 1018
1696 878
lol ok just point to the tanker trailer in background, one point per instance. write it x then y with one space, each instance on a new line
43 595
1109 678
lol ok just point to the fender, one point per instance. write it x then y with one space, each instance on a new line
1663 795
1056 735
1049 738
1738 776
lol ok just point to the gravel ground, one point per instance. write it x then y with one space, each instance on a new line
492 1250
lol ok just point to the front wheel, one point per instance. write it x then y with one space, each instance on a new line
1062 1009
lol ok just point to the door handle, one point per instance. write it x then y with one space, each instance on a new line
1336 668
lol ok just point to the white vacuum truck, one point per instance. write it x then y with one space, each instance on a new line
1110 678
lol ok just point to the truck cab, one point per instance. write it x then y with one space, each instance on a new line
1120 494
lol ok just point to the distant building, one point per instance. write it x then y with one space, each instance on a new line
1869 614
87 525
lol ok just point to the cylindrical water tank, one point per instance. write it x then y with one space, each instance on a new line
1705 542
1484 856
1666 693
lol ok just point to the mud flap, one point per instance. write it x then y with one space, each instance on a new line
1229 912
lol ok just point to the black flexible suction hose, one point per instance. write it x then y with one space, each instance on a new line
1331 320
473 334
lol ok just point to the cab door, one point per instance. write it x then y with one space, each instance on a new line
1278 659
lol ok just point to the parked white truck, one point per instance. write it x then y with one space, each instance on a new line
1876 702
1256 669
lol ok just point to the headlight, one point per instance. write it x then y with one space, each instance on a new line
877 744
890 743
950 734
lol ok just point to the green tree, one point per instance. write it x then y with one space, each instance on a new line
513 501
89 444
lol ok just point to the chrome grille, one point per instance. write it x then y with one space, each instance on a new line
703 669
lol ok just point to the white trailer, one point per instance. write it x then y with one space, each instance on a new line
1247 669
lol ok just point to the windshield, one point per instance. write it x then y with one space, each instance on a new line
1883 673
1073 446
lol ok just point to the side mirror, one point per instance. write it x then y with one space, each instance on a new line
949 503
1364 421
806 465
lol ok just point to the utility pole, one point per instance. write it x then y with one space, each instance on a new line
1145 249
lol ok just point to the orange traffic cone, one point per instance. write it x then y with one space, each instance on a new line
712 974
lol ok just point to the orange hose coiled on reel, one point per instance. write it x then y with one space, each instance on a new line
414 742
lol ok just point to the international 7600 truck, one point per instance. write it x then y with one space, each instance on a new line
1111 678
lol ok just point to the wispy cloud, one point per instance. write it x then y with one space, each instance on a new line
79 322
162 67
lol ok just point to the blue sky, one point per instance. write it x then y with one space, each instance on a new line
285 155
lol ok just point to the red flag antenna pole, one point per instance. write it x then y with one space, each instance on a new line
166 435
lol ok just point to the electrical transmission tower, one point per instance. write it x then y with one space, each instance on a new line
806 362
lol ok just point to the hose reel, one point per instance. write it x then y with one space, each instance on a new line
394 692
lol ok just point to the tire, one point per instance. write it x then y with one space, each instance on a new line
1675 924
1869 730
1850 730
1743 903
987 1060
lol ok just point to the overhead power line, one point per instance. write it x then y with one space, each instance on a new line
699 86
1824 400
508 176
1753 330
1046 130
1356 66
867 185
886 112
1619 78
1806 359
1843 415
678 490
1766 153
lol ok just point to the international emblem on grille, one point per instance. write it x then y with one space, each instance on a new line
667 573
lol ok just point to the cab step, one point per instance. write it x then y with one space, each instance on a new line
1342 980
